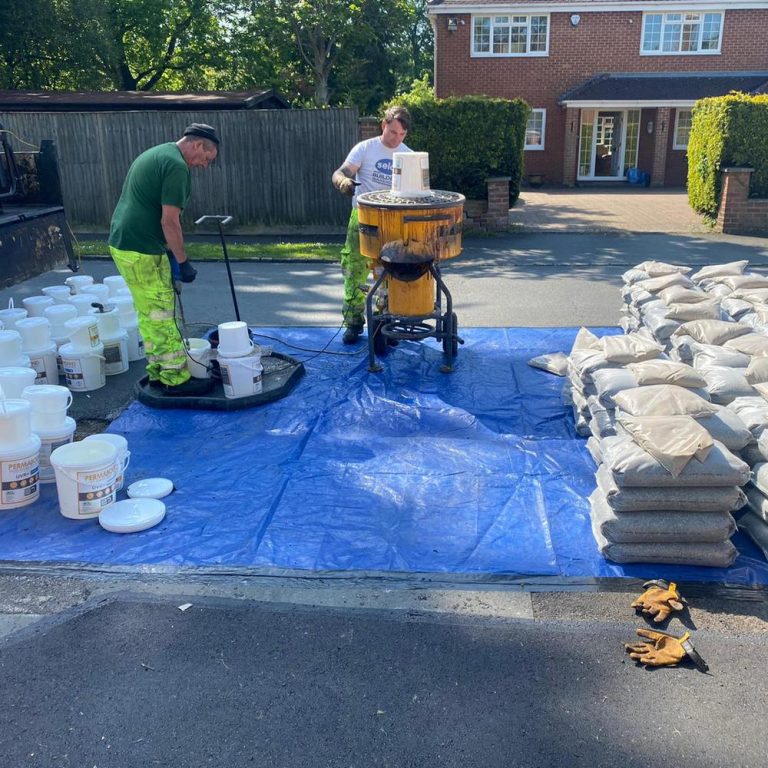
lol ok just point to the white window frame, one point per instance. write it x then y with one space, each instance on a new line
675 144
490 54
538 147
682 12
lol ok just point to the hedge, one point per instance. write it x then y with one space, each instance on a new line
469 139
726 131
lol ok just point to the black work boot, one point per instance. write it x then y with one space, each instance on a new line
190 388
352 334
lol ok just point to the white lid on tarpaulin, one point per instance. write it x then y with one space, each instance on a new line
132 515
150 488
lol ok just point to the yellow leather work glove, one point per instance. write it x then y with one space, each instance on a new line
664 650
659 600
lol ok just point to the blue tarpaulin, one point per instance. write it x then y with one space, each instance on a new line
477 472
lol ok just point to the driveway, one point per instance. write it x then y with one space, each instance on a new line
605 210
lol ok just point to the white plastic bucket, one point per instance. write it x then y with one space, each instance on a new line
35 333
22 361
14 380
59 293
77 282
123 304
9 317
49 404
82 303
234 340
198 358
10 347
114 283
35 305
98 291
60 342
86 472
241 376
135 343
124 292
50 440
108 322
19 473
123 454
115 352
83 333
45 363
15 426
83 371
410 174
57 315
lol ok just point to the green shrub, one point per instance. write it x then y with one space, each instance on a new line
727 131
469 139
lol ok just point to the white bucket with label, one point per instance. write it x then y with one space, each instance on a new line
199 358
123 454
45 363
76 282
83 371
115 352
35 305
59 293
86 472
49 404
410 174
35 333
83 333
13 380
135 342
241 376
108 321
50 440
19 473
60 342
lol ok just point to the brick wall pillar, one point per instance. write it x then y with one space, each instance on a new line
369 127
661 142
497 215
737 213
571 146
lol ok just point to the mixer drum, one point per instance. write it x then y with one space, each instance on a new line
431 223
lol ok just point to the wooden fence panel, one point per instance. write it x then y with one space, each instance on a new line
273 172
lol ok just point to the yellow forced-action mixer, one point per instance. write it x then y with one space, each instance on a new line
406 239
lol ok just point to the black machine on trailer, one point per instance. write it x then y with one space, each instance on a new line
34 236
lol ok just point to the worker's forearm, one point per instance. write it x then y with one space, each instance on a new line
174 238
340 175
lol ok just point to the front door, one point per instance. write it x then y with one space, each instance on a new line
604 153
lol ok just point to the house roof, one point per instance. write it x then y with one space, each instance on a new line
585 6
87 101
662 89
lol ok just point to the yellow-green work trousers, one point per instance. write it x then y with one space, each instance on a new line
149 278
355 268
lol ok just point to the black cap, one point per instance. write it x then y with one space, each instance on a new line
203 131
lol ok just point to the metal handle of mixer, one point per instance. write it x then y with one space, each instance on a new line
223 220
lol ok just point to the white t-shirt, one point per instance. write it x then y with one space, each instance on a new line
375 161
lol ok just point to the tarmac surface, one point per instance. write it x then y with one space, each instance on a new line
106 669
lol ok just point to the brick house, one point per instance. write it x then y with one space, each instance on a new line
611 82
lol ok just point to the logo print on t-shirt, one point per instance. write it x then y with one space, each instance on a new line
384 166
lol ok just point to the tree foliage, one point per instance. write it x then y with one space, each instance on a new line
320 52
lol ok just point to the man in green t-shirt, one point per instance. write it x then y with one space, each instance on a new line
146 224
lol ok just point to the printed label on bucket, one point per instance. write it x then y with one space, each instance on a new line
112 355
19 480
93 332
37 364
96 490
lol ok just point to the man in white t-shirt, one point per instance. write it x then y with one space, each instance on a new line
368 168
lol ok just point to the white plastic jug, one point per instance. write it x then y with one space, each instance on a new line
86 472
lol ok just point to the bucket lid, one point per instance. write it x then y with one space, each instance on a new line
109 437
150 488
84 452
51 433
132 515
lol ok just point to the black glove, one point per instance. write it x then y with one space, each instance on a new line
188 272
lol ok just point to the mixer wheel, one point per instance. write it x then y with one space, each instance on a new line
451 333
380 341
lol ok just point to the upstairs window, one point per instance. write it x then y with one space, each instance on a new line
510 35
683 123
681 33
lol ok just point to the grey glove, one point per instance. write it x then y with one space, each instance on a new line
347 187
188 272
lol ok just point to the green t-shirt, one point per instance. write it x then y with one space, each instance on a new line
160 176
